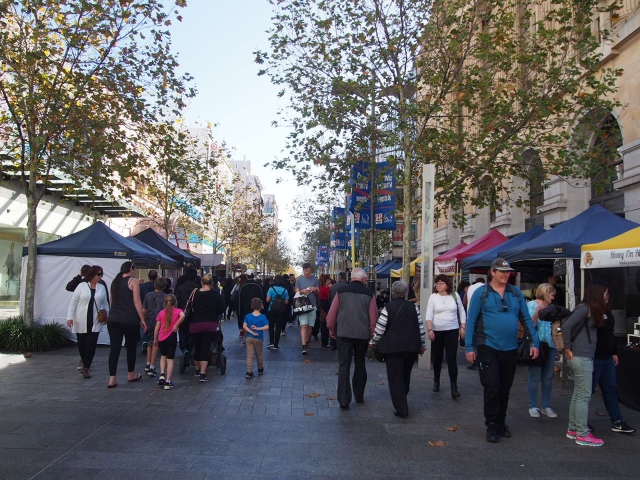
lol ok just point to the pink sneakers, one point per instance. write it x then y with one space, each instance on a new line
571 434
589 440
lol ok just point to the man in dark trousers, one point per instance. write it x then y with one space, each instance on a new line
352 320
492 338
182 295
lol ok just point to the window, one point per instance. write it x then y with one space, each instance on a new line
608 138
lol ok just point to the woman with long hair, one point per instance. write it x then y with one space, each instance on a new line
125 318
207 307
88 299
545 295
580 336
277 312
165 337
446 320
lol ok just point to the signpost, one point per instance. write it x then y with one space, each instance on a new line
426 272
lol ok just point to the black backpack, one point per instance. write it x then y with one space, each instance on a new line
277 302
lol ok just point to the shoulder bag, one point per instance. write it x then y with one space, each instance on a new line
301 304
188 307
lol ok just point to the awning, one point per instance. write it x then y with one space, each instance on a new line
397 273
484 259
620 251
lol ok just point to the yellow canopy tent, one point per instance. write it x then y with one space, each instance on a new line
398 273
620 251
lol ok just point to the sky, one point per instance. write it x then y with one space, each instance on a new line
215 43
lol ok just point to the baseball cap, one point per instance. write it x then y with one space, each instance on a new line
502 265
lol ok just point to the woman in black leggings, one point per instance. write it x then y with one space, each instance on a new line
445 324
125 319
207 307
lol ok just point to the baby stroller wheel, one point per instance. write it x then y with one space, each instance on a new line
213 359
183 365
223 364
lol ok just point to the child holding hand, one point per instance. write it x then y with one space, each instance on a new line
165 337
255 323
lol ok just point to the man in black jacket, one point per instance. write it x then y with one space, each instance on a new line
182 295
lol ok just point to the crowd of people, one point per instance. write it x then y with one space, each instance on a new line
484 318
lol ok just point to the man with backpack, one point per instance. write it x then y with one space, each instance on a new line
278 311
492 326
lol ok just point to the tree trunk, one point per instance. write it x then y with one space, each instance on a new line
407 217
32 246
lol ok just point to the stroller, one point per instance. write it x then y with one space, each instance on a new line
216 356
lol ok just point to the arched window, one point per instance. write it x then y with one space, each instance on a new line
608 138
535 177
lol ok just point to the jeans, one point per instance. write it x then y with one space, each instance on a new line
347 348
399 366
542 374
497 370
582 368
446 341
604 374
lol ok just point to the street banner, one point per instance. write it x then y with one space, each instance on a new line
338 218
338 240
322 255
384 194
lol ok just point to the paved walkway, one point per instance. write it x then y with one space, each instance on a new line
285 424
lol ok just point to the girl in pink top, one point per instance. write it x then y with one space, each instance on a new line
166 338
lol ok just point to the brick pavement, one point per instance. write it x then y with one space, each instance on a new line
54 424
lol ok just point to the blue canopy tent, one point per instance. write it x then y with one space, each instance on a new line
565 242
484 259
384 270
153 239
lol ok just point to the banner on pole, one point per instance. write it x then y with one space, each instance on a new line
384 207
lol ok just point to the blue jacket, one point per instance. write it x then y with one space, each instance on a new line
497 327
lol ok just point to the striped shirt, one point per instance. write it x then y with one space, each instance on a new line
381 327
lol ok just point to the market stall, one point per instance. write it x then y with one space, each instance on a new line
622 251
449 263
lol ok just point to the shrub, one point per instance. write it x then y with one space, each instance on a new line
15 336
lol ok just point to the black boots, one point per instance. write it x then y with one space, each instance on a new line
436 384
454 391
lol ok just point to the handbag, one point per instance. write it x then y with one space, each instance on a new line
525 358
373 352
188 307
103 316
301 304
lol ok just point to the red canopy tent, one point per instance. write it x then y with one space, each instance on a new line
448 263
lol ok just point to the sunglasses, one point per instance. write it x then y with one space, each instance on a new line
505 305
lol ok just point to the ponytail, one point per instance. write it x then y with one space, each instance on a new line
169 302
115 284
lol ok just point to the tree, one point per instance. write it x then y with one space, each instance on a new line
184 187
466 85
81 84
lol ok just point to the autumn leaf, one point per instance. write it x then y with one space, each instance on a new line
452 429
438 443
28 355
309 414
58 371
313 395
380 383
331 398
601 414
308 361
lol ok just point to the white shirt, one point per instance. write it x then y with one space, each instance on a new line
471 290
441 311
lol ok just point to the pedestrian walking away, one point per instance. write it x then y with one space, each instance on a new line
165 338
402 331
352 319
307 284
255 323
491 337
152 305
278 301
125 319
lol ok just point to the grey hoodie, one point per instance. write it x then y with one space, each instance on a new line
580 346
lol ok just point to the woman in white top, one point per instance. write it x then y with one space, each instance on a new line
445 324
88 299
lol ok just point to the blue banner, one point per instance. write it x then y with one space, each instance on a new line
322 255
385 196
338 240
337 217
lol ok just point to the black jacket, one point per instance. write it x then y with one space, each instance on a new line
183 293
606 344
402 334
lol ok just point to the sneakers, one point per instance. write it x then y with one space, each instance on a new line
151 372
168 385
548 412
571 434
80 365
283 333
270 346
534 412
163 379
621 427
249 375
147 367
305 350
589 441
503 431
275 348
241 334
144 348
492 434
196 373
261 371
203 378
